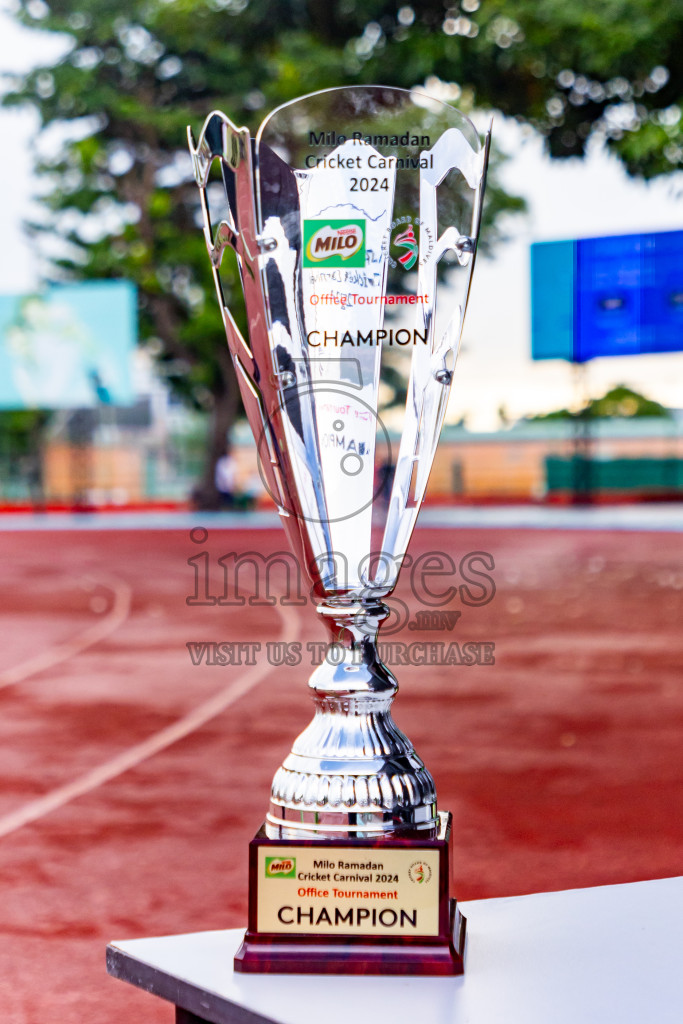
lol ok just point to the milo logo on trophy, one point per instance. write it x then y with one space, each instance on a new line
340 212
276 867
336 243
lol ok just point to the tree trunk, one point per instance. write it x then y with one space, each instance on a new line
223 415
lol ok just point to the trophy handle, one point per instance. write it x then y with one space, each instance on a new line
431 371
267 393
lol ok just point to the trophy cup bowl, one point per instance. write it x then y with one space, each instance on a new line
339 213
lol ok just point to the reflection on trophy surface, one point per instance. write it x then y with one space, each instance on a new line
339 213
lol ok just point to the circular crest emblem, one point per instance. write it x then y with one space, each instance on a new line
419 872
401 244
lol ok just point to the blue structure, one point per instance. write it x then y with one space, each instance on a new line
615 296
69 346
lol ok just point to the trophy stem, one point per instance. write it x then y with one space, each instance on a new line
352 773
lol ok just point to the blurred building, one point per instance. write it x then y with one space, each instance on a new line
153 453
631 458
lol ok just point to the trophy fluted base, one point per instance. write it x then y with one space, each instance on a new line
352 906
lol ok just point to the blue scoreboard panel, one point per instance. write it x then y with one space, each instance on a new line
69 346
616 296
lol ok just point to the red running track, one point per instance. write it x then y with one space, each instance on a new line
132 780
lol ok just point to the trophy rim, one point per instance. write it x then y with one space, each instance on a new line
356 87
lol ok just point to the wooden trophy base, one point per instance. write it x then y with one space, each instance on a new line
352 906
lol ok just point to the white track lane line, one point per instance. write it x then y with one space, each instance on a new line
79 643
132 757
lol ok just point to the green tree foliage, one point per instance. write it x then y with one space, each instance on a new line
21 439
21 429
625 402
119 191
575 70
620 401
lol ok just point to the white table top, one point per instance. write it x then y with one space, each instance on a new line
609 955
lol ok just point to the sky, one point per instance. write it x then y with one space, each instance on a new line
566 199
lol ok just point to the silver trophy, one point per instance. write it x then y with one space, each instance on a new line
340 212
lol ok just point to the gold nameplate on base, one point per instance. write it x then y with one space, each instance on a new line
363 906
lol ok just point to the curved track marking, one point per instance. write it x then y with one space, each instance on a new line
116 616
152 745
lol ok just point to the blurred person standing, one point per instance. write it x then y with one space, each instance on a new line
225 478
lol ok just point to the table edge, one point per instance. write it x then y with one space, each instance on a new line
207 1006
